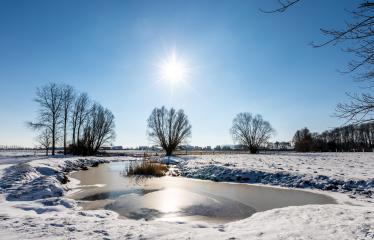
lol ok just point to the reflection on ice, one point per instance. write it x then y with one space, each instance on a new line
177 203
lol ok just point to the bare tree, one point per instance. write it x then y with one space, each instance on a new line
79 115
358 110
360 37
358 34
68 99
50 100
251 131
45 139
100 127
98 130
168 128
74 120
303 140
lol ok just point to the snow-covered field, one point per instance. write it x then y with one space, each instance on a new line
33 206
8 157
352 172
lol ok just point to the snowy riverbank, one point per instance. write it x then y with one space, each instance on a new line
32 202
352 173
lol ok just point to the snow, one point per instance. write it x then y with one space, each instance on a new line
170 160
11 157
344 172
33 206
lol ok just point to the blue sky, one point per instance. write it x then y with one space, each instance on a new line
240 60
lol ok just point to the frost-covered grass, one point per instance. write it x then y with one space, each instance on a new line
336 165
33 206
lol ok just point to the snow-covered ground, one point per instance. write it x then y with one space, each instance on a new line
33 206
10 157
352 172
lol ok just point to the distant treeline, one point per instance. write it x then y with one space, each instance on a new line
16 148
350 138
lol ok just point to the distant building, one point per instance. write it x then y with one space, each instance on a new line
105 148
186 147
149 148
117 148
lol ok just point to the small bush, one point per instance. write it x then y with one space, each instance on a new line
81 149
147 168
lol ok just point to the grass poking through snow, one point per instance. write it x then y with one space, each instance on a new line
147 168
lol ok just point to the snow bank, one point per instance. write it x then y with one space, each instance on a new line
341 222
343 172
39 180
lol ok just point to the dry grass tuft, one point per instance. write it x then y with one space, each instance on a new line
147 168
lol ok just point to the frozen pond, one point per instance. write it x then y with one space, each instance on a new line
180 199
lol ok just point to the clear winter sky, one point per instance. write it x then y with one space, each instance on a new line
239 58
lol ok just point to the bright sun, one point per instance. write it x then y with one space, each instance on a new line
173 69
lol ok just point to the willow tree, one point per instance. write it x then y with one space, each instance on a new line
251 131
168 128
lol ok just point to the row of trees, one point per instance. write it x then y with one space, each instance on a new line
347 138
64 111
170 128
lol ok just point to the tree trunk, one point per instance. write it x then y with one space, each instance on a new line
168 152
73 140
53 137
253 150
65 134
78 133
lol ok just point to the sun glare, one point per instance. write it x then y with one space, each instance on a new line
173 69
